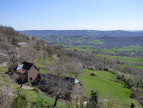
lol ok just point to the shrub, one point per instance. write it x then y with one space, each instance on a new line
93 101
34 89
20 101
93 74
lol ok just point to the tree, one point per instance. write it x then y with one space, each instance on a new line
13 65
138 84
130 82
123 78
118 78
74 67
93 101
58 69
132 105
7 93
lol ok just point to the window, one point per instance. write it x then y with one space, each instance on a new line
30 79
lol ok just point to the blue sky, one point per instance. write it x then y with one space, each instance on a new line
72 14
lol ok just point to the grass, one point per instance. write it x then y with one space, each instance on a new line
3 69
96 42
40 99
128 60
140 67
88 50
41 64
124 48
106 86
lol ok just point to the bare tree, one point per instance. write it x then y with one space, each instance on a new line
7 92
74 67
58 69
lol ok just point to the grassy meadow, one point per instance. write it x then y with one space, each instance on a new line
129 60
104 83
37 99
3 69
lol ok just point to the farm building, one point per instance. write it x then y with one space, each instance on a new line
70 88
23 44
28 72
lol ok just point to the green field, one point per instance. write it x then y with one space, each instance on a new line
107 87
3 69
89 51
39 99
96 42
124 48
88 48
42 63
129 60
139 67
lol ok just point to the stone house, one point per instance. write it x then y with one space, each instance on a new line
70 88
23 44
28 72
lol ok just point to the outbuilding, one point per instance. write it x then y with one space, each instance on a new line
28 72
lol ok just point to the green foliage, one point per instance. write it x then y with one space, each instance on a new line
15 41
132 105
93 101
20 101
118 78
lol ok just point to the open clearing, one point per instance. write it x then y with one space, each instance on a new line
106 86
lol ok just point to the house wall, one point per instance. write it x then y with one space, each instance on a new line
32 74
22 77
37 80
76 92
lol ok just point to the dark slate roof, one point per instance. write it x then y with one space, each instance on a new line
27 65
62 83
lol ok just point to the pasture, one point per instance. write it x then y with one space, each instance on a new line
104 83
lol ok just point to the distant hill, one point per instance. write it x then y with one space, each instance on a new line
95 33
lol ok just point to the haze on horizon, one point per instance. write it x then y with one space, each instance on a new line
72 14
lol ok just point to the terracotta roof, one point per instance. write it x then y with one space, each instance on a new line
21 71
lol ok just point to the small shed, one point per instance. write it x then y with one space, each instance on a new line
28 72
23 44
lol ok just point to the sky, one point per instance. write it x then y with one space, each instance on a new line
72 14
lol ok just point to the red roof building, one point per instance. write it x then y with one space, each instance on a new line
28 72
20 71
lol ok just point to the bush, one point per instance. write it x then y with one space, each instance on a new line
93 101
91 68
36 90
132 105
7 93
93 74
20 101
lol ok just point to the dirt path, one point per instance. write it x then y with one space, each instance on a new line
26 87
